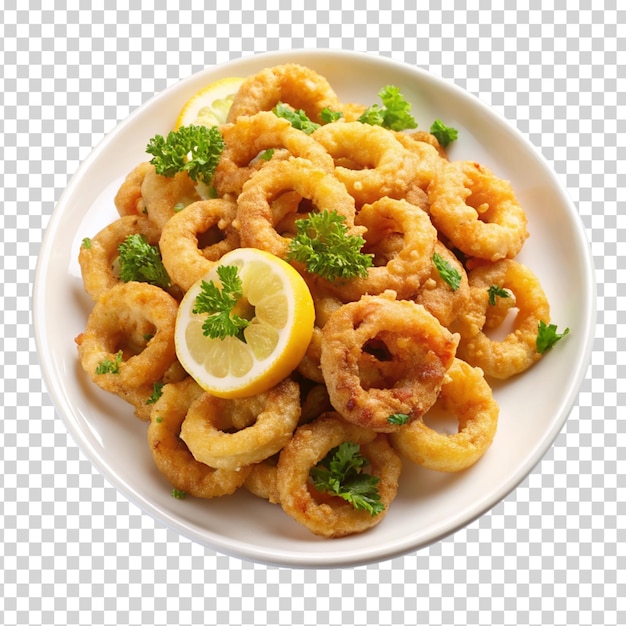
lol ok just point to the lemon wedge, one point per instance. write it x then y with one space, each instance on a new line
279 308
210 105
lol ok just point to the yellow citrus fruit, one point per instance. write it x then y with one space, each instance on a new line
278 305
210 105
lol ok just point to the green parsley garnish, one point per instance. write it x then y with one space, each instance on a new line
448 273
322 243
340 473
327 115
179 494
394 114
86 243
108 366
496 291
297 118
194 149
141 262
219 304
398 418
157 392
547 336
445 134
266 155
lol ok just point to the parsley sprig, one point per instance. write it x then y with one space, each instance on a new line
495 291
445 134
340 473
141 262
108 366
394 114
296 117
323 244
547 336
194 149
218 304
448 273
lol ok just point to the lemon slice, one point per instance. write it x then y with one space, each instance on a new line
210 105
279 307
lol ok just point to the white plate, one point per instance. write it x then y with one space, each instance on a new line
429 505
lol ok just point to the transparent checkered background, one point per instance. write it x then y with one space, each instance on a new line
77 552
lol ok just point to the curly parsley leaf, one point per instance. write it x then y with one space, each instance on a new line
297 118
448 273
108 366
141 262
218 303
445 134
497 292
179 494
340 473
327 115
398 418
194 149
547 336
394 114
86 243
323 244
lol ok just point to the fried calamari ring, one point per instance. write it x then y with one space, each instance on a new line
409 140
129 335
163 195
436 294
466 395
371 162
290 83
382 356
172 456
477 211
256 217
325 304
250 136
262 480
274 414
387 220
97 259
195 238
331 516
518 350
128 199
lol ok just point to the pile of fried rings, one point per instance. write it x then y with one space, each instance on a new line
400 341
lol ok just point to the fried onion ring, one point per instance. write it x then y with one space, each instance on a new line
256 217
466 395
172 456
298 86
97 260
477 211
137 319
250 136
518 350
185 258
382 356
274 414
329 516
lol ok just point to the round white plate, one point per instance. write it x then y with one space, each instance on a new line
430 505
